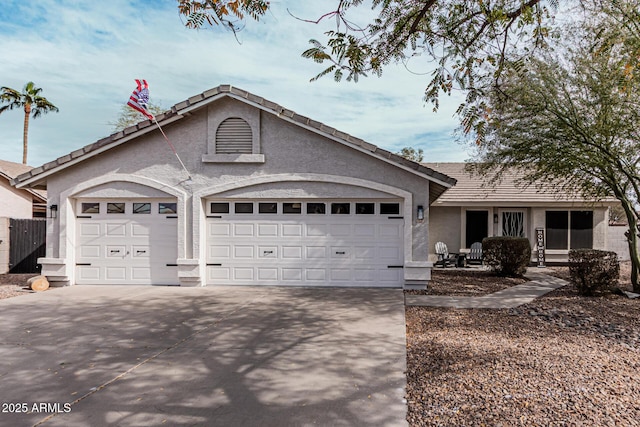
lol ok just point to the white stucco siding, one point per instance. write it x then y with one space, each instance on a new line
146 167
445 226
14 203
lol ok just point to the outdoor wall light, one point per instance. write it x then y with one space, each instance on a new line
420 212
495 218
54 211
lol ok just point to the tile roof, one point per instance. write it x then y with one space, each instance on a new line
475 189
10 170
37 176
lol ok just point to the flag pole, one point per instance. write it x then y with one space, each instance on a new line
172 147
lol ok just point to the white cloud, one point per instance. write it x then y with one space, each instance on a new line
86 54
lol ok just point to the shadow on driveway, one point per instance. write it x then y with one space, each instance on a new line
141 356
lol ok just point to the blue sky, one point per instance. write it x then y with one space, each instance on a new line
85 54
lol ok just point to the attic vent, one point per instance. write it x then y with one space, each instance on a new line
234 137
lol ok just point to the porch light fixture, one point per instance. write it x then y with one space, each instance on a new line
420 213
495 218
53 209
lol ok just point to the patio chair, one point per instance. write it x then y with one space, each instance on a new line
475 254
445 258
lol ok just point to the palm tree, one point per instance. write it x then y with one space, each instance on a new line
31 101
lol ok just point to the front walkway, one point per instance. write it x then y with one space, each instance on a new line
512 297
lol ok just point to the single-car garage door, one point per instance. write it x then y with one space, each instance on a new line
308 243
126 242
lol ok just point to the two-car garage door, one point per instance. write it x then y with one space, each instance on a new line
309 243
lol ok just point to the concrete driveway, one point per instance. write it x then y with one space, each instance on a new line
214 356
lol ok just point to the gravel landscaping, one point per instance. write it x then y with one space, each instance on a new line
562 360
13 285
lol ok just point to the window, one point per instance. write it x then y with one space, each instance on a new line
244 208
340 208
477 227
581 230
557 225
389 208
167 208
219 208
268 208
90 208
234 136
142 208
292 208
569 229
316 208
115 208
513 223
365 208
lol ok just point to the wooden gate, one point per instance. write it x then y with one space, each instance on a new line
26 244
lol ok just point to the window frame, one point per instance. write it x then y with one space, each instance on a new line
569 239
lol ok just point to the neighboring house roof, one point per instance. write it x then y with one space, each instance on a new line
36 178
474 189
10 170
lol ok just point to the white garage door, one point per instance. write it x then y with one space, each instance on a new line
311 243
126 242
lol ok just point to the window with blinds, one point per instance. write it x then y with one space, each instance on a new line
234 136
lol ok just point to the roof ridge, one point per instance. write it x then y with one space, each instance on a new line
194 102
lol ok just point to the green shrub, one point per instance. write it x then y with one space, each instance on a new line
507 256
593 271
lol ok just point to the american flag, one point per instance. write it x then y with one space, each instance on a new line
140 98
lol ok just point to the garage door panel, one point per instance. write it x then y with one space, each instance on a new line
294 274
340 274
292 230
390 253
140 273
216 273
270 252
116 273
115 230
244 274
366 253
115 251
364 274
141 251
243 230
219 230
316 252
268 274
390 230
390 275
220 252
140 230
316 230
365 230
292 252
340 230
316 274
89 230
267 230
89 251
243 252
340 252
88 273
